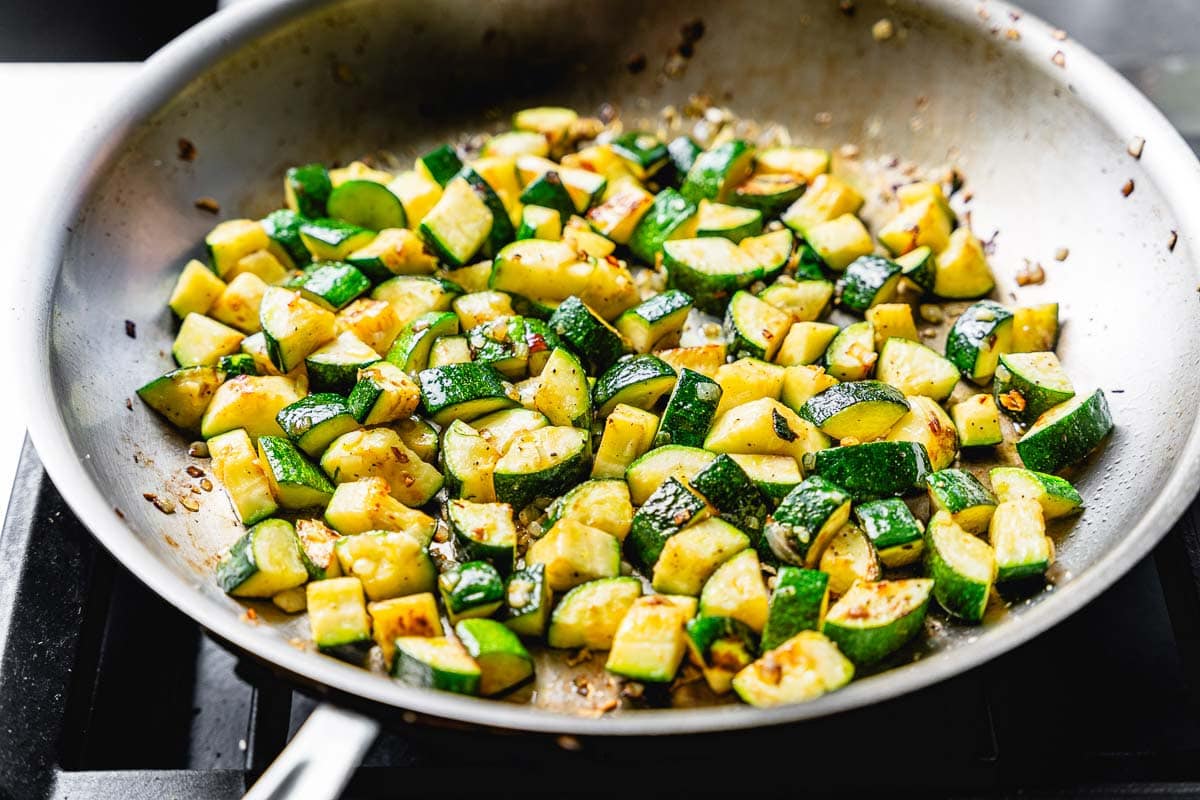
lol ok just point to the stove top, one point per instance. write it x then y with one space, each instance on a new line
108 692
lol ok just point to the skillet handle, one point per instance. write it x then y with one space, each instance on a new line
319 760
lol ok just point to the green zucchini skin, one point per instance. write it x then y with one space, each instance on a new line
442 164
867 634
237 364
898 536
593 339
869 280
862 409
300 483
690 410
873 469
805 521
650 321
410 350
949 553
503 660
462 391
670 211
643 150
528 601
920 267
366 204
484 532
283 226
330 239
316 420
738 501
1051 447
547 191
435 663
711 290
568 468
243 571
715 172
473 589
671 508
1037 378
502 229
770 194
797 604
682 153
975 332
960 494
637 381
183 395
721 644
1056 495
310 185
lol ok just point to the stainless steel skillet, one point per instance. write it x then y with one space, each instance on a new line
1042 139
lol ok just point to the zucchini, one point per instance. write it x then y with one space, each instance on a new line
419 436
754 328
337 617
803 668
389 563
962 567
574 553
914 369
628 433
977 420
459 224
826 198
769 194
671 216
764 427
588 334
394 251
721 647
806 521
733 494
462 391
919 268
649 643
584 186
202 341
961 495
875 619
849 558
1035 328
516 143
961 269
716 172
563 394
1017 533
736 590
295 481
840 241
710 270
673 506
772 252
334 366
927 424
807 163
1057 497
293 327
373 322
502 427
410 352
897 535
804 300
869 281
183 395
381 453
316 549
651 470
922 224
477 308
862 410
602 504
231 241
250 402
803 383
618 216
690 557
367 505
539 223
637 381
196 289
911 194
283 229
501 345
236 466
798 603
366 204
238 304
413 295
610 289
435 662
690 410
648 323
747 379
774 476
468 461
503 661
705 359
807 343
264 264
730 222
333 240
440 164
1066 433
980 335
644 152
682 152
418 194
414 615
1028 385
237 364
873 469
484 532
383 393
315 421
539 462
307 188
547 191
851 355
527 601
331 284
473 589
264 561
589 615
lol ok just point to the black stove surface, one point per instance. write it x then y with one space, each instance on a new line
108 692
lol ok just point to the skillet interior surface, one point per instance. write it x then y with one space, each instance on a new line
257 89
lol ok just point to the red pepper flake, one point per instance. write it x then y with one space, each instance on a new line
187 150
208 204
130 329
1127 188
